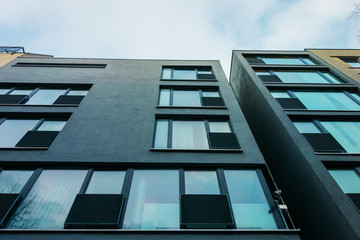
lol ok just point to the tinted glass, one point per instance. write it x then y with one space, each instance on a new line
186 98
220 127
348 180
300 77
308 61
184 74
201 182
11 131
189 135
52 126
161 135
12 181
346 133
106 182
153 200
356 96
353 63
211 94
327 101
331 77
77 92
166 73
306 127
49 200
4 91
21 92
263 73
278 94
45 97
283 61
248 201
164 97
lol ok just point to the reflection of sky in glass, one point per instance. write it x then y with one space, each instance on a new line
12 181
21 92
184 74
201 182
300 77
153 200
306 127
186 98
211 94
11 131
348 180
189 135
4 91
166 73
219 127
250 206
106 182
164 97
161 135
283 61
49 200
52 126
77 92
45 97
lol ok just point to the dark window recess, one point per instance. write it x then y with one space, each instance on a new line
355 198
7 203
212 101
95 211
291 103
64 65
69 99
223 141
270 78
11 99
205 211
323 142
255 61
37 139
205 76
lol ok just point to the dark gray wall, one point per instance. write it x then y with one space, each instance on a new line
317 204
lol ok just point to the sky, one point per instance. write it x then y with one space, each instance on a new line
176 29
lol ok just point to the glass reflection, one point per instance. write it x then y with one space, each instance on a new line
189 135
347 179
52 126
12 130
45 97
77 93
186 98
184 74
201 182
12 181
106 182
161 136
306 127
219 127
283 61
153 200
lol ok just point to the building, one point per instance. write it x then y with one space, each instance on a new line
8 54
305 116
130 149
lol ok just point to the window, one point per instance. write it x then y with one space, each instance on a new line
353 62
347 134
194 134
324 100
298 76
201 182
188 73
13 181
41 96
28 132
190 98
280 60
106 182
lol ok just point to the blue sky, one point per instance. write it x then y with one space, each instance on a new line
176 29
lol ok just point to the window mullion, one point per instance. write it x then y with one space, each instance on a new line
291 93
8 92
66 92
271 72
320 126
169 143
26 189
351 97
126 192
36 127
86 181
182 181
171 100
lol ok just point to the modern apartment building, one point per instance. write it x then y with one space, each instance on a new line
130 149
305 116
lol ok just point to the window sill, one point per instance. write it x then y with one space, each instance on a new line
337 154
191 80
307 110
192 107
27 105
24 148
239 150
307 84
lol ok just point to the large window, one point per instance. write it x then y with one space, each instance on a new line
187 73
307 76
280 60
190 98
324 100
194 134
353 62
347 134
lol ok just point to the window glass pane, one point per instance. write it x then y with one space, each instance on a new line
11 131
204 72
52 126
300 77
186 98
106 182
280 94
284 61
308 61
164 97
306 127
166 73
153 200
348 180
353 63
4 91
77 92
49 200
332 77
21 92
12 181
45 97
327 101
161 135
211 94
263 73
189 135
184 74
221 127
346 133
248 201
356 96
201 182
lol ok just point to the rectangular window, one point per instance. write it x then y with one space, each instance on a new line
193 134
187 73
201 182
190 98
307 76
153 200
49 200
106 182
279 60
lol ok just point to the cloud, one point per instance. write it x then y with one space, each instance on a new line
174 29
